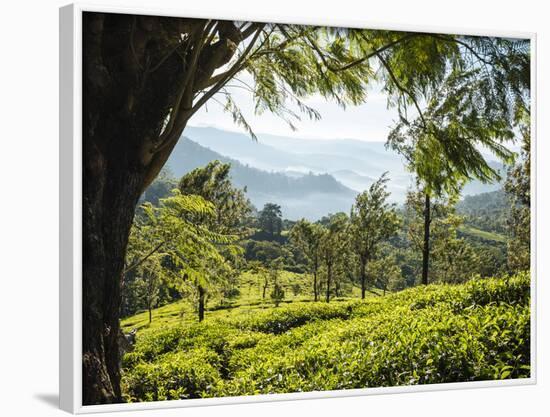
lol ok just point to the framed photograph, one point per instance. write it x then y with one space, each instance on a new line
261 209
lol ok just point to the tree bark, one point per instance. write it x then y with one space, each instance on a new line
107 218
202 295
426 247
329 278
363 278
266 283
315 291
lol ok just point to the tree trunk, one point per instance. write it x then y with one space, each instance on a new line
150 314
266 283
115 174
110 193
426 248
329 278
202 294
132 79
363 279
315 298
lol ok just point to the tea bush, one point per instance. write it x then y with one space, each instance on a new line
440 333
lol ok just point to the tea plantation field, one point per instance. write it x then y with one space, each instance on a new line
434 334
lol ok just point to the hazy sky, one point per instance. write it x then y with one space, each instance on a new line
370 121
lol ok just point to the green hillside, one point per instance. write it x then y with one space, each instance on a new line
439 333
297 288
302 195
482 234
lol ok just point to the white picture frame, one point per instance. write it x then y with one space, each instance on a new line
70 372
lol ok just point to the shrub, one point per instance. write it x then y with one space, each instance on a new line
176 376
277 295
435 334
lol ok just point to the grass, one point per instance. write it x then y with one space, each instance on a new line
433 334
249 301
482 234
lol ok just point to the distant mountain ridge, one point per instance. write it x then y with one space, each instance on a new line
309 195
354 163
308 178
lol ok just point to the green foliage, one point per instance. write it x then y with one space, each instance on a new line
452 258
270 219
277 294
181 375
386 274
372 221
189 252
160 188
213 183
334 244
478 103
518 188
431 334
486 211
306 236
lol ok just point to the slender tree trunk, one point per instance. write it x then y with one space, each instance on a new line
426 248
202 295
315 297
329 278
363 278
150 314
266 283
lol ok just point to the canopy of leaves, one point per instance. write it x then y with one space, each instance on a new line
270 219
478 104
230 204
179 229
373 219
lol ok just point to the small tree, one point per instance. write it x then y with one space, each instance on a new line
397 282
277 294
372 221
258 268
231 206
452 259
270 219
296 289
180 229
151 271
306 236
334 244
385 273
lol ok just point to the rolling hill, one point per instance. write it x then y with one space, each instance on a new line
306 195
354 163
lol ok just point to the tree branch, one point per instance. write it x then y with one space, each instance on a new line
189 70
228 74
363 59
403 89
139 262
